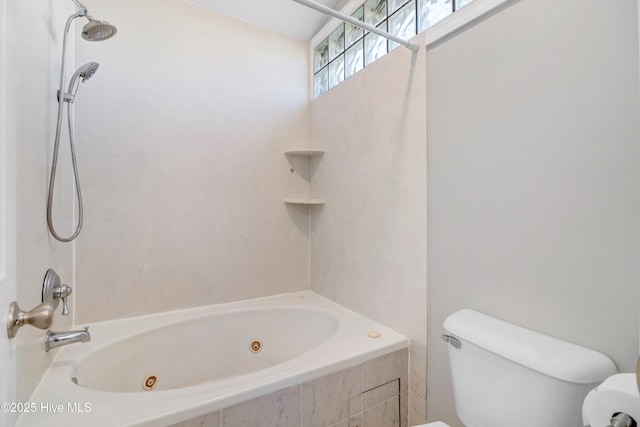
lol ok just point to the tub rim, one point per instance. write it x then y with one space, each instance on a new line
176 405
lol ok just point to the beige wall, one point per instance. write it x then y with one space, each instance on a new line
35 36
533 178
368 242
181 135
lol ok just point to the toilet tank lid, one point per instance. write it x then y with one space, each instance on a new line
547 355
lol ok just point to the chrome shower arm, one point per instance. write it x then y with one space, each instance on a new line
81 8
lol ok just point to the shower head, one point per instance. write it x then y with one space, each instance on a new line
85 72
96 31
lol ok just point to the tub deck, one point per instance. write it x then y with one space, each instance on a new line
58 401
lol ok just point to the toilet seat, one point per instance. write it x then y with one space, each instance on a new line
436 424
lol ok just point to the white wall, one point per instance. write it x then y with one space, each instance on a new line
368 242
181 134
533 178
35 31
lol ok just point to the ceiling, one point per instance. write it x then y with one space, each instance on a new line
283 16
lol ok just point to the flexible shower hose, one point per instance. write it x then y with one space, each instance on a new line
76 177
56 147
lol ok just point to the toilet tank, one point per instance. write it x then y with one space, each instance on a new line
505 375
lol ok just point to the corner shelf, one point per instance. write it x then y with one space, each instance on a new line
304 201
307 153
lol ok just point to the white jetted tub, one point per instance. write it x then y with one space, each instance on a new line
162 369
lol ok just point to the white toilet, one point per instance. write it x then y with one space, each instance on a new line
504 375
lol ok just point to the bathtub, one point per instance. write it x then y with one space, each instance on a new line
165 368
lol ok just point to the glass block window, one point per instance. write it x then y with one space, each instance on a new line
461 3
336 71
433 11
348 49
375 46
336 42
395 5
353 33
321 56
375 11
321 82
403 23
354 59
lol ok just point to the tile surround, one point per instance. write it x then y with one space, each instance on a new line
385 414
417 384
400 178
280 408
417 410
349 264
386 368
418 369
372 394
381 394
325 400
181 190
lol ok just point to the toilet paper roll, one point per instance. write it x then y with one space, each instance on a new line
618 393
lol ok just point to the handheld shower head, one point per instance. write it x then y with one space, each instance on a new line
85 72
88 70
96 31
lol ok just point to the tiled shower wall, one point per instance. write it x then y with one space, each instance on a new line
369 241
371 394
182 187
184 181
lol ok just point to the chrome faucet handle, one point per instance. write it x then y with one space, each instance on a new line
62 292
53 291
